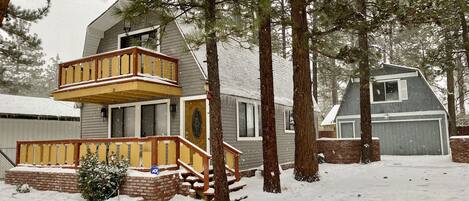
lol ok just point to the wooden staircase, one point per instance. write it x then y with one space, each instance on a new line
197 184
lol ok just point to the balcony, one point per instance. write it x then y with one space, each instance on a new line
126 75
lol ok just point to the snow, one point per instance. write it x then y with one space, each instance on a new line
338 139
8 193
40 169
330 117
429 178
135 173
37 106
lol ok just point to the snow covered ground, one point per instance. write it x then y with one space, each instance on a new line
395 178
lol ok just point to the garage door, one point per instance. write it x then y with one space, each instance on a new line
408 138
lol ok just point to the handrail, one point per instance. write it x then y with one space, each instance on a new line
7 158
184 153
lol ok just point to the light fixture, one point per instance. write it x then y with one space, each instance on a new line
127 26
172 108
104 112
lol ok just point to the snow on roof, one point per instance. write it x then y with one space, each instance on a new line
330 117
12 104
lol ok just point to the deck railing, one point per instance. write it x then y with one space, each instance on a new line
167 152
128 62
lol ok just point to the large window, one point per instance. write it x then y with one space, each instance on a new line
147 38
289 122
139 119
385 91
248 121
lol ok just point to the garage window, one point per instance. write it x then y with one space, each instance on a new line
385 91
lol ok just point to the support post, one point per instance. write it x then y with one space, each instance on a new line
76 154
206 174
18 149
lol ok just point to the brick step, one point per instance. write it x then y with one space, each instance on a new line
200 185
232 188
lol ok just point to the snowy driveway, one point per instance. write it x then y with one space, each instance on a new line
395 178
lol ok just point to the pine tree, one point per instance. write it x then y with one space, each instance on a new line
306 163
269 139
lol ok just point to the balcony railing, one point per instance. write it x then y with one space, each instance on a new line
128 62
167 152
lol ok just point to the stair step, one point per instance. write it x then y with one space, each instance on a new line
200 184
233 187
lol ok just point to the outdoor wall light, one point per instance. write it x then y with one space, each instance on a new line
104 112
127 26
172 108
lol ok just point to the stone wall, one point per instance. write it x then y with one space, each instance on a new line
152 188
345 150
460 148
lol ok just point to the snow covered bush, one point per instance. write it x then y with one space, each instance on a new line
23 188
100 180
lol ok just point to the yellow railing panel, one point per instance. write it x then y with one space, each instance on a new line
139 63
70 153
167 70
77 73
124 150
46 154
198 162
172 152
115 66
112 149
105 68
29 157
157 70
147 61
229 159
102 152
86 71
173 71
161 153
125 64
69 78
134 155
184 153
61 154
53 154
146 154
93 70
63 78
83 150
23 153
37 154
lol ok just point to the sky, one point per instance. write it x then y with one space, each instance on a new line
63 30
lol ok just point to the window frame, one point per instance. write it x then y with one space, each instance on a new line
285 110
256 104
385 101
138 113
139 31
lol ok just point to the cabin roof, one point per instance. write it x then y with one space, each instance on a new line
26 105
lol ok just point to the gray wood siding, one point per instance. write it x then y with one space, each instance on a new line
421 98
172 43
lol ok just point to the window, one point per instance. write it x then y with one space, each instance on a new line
289 122
123 122
147 38
385 91
154 120
139 119
248 121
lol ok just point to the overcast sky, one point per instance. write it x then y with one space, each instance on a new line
63 30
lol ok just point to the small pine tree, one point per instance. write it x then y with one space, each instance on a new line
99 180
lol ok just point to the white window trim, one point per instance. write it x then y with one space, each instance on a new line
391 101
284 124
138 31
182 119
138 113
256 104
339 127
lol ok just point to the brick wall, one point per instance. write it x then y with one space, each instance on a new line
345 150
460 148
152 188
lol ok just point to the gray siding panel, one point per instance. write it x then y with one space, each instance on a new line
92 124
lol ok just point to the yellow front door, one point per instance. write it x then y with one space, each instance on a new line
195 123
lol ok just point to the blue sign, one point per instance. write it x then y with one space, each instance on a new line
155 170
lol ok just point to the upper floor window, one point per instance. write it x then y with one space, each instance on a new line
289 122
147 38
385 91
248 121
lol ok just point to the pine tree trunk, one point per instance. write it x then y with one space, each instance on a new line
364 68
465 29
306 163
314 60
216 132
284 28
334 89
269 138
451 102
3 10
461 87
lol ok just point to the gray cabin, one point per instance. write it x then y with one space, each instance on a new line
406 114
160 89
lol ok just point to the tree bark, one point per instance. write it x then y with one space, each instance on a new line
364 68
451 102
269 140
306 163
334 89
465 29
314 60
216 131
3 10
284 28
461 87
